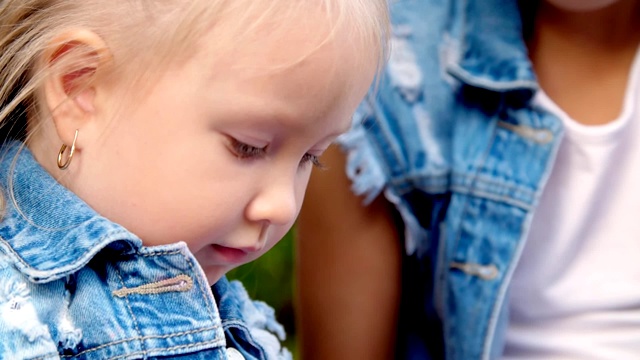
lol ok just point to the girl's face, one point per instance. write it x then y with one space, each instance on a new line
218 153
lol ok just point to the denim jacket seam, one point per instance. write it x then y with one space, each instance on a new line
46 356
145 352
503 86
161 253
239 323
441 183
456 240
464 214
131 313
508 200
149 337
197 281
44 276
510 269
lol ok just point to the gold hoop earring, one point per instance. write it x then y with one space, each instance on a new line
65 165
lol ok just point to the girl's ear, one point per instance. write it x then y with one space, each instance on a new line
71 64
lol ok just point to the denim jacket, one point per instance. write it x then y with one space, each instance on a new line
451 138
74 285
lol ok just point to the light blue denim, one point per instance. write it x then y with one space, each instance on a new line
451 138
74 285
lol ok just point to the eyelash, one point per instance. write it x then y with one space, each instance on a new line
246 151
311 159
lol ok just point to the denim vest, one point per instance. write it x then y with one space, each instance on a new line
451 139
74 285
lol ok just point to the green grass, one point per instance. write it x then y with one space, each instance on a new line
271 279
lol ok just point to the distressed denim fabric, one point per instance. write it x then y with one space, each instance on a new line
451 139
249 326
75 285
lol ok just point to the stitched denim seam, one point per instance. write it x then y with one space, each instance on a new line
165 349
501 299
445 319
464 213
491 85
197 279
126 299
55 272
237 323
406 184
47 356
16 206
148 337
442 181
162 253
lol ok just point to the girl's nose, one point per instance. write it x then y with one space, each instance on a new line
276 202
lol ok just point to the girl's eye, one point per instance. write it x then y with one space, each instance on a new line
246 151
311 159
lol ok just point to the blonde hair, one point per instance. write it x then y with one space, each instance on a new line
144 33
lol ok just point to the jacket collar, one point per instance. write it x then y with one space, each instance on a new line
46 229
485 48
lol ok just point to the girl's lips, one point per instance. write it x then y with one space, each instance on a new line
231 255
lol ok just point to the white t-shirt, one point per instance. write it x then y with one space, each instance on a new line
576 292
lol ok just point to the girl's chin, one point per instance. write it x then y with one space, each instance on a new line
214 274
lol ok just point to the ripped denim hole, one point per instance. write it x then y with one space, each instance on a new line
404 70
18 313
69 335
179 283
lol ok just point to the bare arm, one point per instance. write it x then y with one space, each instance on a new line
348 270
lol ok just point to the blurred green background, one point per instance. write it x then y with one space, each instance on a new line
271 279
